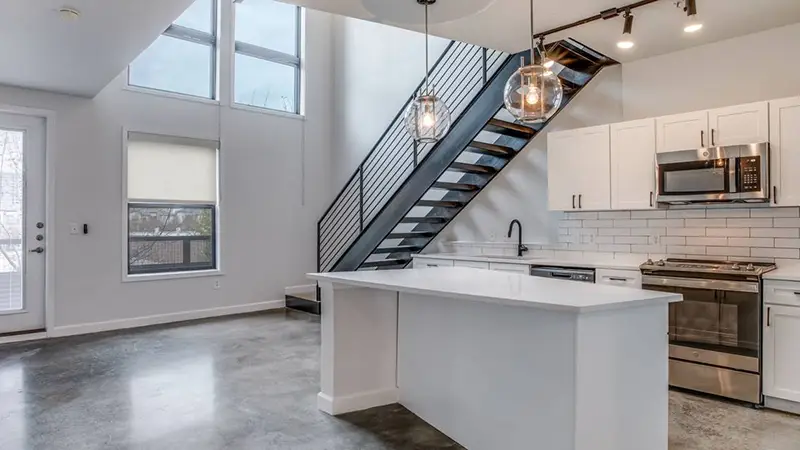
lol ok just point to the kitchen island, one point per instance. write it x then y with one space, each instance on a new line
499 360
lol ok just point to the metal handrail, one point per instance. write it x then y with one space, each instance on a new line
459 74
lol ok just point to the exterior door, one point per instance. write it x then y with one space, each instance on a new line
682 132
739 125
22 227
785 151
781 349
633 164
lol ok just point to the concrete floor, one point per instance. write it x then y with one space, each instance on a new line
251 383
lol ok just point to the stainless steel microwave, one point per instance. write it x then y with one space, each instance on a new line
737 173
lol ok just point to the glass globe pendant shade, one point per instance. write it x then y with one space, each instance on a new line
427 119
533 94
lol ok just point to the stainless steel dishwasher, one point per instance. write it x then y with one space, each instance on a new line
583 275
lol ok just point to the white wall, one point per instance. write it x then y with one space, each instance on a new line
761 66
274 185
520 190
375 69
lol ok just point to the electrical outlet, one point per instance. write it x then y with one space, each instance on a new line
654 240
216 284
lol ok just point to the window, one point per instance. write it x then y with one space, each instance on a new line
171 204
183 58
267 60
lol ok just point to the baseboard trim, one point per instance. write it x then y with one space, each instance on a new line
357 402
121 324
782 405
23 337
301 289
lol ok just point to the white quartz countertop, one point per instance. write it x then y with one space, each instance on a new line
538 261
501 288
789 272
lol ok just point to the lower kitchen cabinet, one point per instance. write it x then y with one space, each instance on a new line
472 264
782 352
626 278
523 269
422 263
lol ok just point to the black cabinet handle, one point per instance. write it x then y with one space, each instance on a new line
651 199
713 138
702 138
775 194
573 201
769 322
580 197
617 279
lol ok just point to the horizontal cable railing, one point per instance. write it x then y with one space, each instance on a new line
457 77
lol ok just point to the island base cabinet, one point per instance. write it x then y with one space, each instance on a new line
782 353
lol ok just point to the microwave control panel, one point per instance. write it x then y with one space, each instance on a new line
750 170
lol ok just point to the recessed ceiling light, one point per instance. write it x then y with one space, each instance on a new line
68 13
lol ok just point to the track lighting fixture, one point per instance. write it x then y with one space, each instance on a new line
693 23
626 41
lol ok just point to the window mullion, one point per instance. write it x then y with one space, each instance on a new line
190 35
267 54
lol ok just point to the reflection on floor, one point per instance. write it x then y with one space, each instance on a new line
251 383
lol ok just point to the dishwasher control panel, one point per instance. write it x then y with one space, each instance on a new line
583 275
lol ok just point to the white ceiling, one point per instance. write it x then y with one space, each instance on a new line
40 50
505 25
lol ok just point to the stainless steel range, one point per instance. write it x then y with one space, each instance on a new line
715 333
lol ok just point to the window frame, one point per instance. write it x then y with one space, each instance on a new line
270 55
158 269
211 40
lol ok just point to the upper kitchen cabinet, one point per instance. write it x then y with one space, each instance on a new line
741 124
579 169
682 132
785 151
633 171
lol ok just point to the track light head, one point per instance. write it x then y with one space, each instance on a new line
626 40
693 23
691 8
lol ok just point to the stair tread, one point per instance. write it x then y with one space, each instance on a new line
398 249
411 235
387 263
509 128
471 168
424 220
490 149
455 186
440 204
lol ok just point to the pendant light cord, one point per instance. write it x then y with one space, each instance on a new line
533 37
427 69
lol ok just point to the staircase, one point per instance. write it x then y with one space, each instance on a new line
403 194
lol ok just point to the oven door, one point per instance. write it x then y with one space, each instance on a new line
704 175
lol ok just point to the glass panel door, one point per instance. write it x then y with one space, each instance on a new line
22 233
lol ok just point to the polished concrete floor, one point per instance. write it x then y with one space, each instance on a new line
250 383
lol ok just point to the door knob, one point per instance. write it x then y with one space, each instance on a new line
40 225
37 250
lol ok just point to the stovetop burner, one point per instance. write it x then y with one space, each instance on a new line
703 266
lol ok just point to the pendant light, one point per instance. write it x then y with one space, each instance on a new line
427 117
534 93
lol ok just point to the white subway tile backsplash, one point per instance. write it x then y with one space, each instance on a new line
606 239
614 231
562 231
787 223
583 247
598 223
775 212
775 232
720 241
665 223
648 231
661 214
589 231
735 232
787 243
686 214
569 239
686 249
748 223
649 249
581 215
705 223
775 252
630 240
686 231
713 213
615 215
570 223
751 242
728 251
622 248
673 240
630 223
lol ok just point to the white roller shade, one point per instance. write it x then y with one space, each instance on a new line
169 169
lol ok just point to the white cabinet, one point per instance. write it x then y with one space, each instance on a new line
472 264
579 169
626 278
740 124
682 132
785 151
633 167
430 262
782 352
523 269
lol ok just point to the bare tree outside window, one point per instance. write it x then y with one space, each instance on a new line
11 211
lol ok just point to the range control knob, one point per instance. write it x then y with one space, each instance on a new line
649 262
660 262
735 266
751 267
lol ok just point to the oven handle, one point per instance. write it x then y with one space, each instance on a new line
695 283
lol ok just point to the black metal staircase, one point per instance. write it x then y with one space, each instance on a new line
404 194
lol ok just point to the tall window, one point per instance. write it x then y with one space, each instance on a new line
267 60
172 204
183 58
